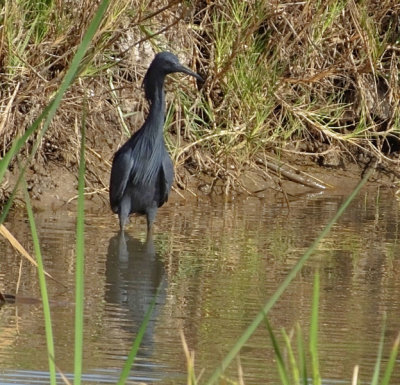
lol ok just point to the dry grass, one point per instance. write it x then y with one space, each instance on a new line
36 46
306 76
312 78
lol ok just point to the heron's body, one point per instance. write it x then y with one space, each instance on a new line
142 171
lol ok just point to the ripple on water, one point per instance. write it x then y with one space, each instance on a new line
216 264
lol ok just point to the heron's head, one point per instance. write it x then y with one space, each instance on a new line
164 63
167 62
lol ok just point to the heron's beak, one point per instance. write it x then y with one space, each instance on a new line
189 72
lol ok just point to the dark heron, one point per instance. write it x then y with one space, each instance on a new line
142 171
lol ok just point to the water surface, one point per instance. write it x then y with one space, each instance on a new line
215 264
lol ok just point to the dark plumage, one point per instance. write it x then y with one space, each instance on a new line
142 172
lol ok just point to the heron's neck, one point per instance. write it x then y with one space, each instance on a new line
156 97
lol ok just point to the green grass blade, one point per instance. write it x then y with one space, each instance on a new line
43 290
76 61
49 112
293 363
314 333
283 286
7 206
136 343
302 355
279 359
391 362
375 376
80 263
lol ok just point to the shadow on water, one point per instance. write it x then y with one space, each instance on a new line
133 276
134 273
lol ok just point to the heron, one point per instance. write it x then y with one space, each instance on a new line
142 172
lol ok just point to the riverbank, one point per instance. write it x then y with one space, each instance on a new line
53 185
310 85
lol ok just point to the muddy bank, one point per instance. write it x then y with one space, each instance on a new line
53 184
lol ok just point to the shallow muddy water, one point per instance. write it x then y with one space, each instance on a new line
215 265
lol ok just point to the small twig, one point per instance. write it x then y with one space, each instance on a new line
17 246
158 11
176 190
19 277
117 106
8 108
98 191
355 375
294 175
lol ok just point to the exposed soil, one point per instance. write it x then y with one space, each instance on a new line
53 183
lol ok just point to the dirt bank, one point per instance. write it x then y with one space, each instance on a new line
294 84
53 185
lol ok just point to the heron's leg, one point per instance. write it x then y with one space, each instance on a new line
123 253
124 211
150 216
123 220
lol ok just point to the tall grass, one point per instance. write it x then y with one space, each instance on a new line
294 372
80 245
316 78
269 83
80 264
43 290
43 121
46 118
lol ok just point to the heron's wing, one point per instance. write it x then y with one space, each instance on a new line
166 176
120 173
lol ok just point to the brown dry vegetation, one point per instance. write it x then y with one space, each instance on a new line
311 82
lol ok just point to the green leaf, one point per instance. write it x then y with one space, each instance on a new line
136 343
314 332
43 289
279 359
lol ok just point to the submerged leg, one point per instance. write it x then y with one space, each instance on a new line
150 216
123 253
123 220
124 211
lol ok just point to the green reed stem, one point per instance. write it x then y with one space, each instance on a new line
80 263
302 356
314 332
43 290
136 343
375 376
391 362
80 245
283 371
283 286
48 113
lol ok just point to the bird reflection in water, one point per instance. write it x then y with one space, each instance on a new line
134 274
